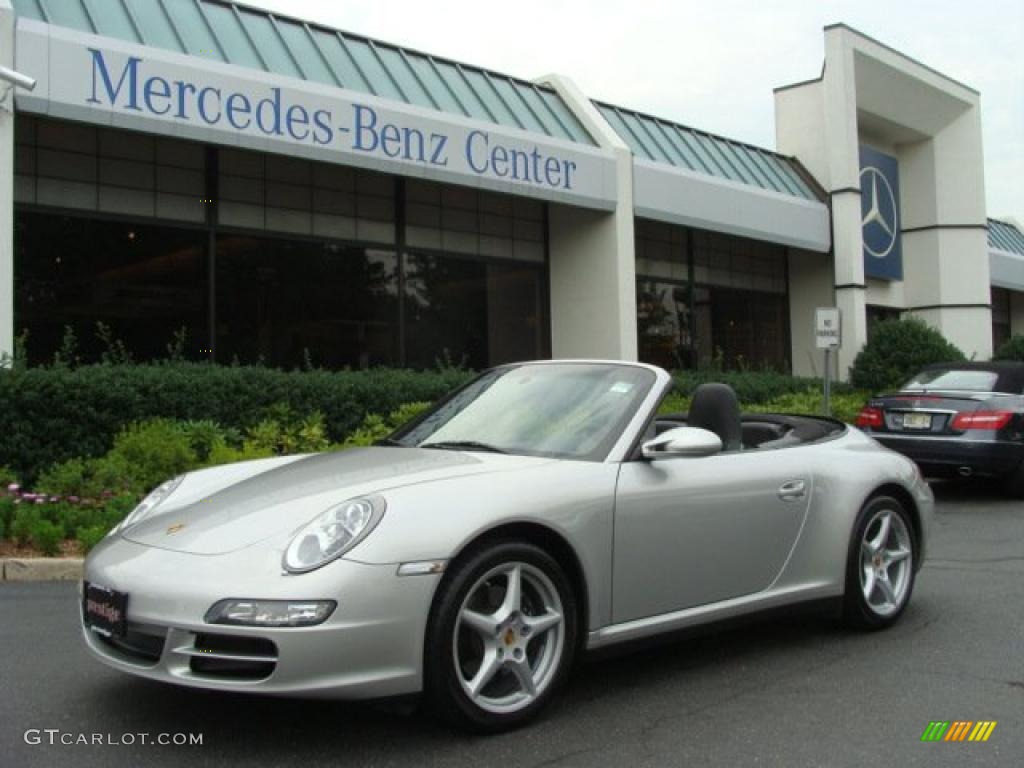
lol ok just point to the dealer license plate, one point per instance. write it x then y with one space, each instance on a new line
104 609
917 421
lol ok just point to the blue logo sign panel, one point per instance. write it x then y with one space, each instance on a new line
880 214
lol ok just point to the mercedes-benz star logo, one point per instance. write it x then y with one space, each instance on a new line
881 215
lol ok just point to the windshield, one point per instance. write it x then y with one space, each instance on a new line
565 410
953 379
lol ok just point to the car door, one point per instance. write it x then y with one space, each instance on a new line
692 531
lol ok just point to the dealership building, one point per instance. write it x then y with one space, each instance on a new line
290 193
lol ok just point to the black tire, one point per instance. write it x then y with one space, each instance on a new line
877 611
1014 483
444 673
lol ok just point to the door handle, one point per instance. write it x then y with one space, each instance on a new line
793 490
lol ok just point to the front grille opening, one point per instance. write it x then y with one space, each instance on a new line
235 644
136 645
260 666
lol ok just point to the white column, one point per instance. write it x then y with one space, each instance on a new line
593 265
840 118
6 186
810 287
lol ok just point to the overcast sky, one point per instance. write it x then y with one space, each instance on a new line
713 64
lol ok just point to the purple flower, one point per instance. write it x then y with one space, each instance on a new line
74 499
40 501
13 487
54 499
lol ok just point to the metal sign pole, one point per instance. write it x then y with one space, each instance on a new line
828 337
828 382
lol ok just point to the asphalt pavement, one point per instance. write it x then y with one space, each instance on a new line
786 692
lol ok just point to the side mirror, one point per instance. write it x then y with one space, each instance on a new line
682 441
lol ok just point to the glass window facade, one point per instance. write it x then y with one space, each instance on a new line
266 258
284 302
68 165
472 312
1000 317
145 282
706 298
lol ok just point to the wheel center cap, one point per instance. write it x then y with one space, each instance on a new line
877 561
510 636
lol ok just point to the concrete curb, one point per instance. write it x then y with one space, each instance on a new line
41 569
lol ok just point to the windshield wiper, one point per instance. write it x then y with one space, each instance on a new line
463 445
390 441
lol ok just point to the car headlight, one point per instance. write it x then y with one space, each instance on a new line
148 504
270 613
333 533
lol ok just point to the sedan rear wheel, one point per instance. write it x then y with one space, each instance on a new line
502 637
1014 483
881 564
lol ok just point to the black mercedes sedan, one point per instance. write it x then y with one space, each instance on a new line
956 419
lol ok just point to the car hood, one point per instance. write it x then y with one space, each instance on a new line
283 497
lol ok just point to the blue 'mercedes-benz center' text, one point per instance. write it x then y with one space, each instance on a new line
362 130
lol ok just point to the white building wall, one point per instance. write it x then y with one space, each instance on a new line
6 187
871 94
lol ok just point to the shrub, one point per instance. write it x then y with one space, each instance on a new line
204 435
1012 349
153 451
144 455
283 432
90 537
897 350
375 427
46 537
50 415
22 523
7 511
7 477
845 406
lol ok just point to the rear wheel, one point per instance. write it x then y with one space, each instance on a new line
501 638
880 565
1014 483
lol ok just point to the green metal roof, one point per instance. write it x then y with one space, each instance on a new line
239 34
665 142
1004 236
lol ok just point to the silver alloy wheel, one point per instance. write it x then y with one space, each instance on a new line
886 562
509 637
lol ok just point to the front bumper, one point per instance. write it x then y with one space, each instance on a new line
370 647
943 456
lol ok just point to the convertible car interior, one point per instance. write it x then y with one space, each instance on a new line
716 409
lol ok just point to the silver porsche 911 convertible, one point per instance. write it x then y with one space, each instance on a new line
542 510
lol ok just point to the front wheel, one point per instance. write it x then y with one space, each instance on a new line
501 638
880 566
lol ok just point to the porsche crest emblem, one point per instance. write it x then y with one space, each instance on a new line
176 528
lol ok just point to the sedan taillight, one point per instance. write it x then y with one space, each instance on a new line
870 417
982 420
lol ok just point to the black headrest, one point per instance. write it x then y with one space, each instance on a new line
715 408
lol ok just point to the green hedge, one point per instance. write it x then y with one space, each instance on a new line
52 414
48 415
755 387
